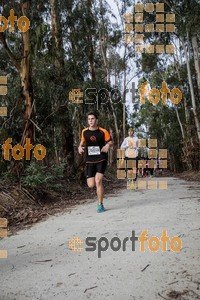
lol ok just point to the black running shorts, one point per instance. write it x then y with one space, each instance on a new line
93 168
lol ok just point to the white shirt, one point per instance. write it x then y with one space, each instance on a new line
130 143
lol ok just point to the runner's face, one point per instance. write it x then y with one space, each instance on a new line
92 121
130 133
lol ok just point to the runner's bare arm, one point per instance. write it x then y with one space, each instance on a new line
81 147
124 144
110 143
107 146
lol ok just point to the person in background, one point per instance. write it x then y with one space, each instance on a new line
130 142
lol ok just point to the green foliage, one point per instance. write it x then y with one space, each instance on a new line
37 175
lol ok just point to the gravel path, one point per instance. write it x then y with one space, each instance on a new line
41 265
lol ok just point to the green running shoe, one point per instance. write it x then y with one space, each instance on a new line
100 208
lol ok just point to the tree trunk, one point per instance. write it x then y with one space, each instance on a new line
111 150
196 119
66 130
182 84
26 86
110 100
196 61
103 51
89 39
124 96
180 124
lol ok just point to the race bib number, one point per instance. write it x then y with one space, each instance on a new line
94 150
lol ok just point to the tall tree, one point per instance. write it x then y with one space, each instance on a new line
59 63
24 70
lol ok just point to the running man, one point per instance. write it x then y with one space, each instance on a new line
97 142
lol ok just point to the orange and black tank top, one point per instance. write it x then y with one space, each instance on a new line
94 142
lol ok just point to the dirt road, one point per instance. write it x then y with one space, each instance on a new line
41 265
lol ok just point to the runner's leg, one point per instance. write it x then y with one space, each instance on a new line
91 182
99 186
91 171
100 169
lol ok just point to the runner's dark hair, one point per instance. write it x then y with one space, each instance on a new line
93 113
